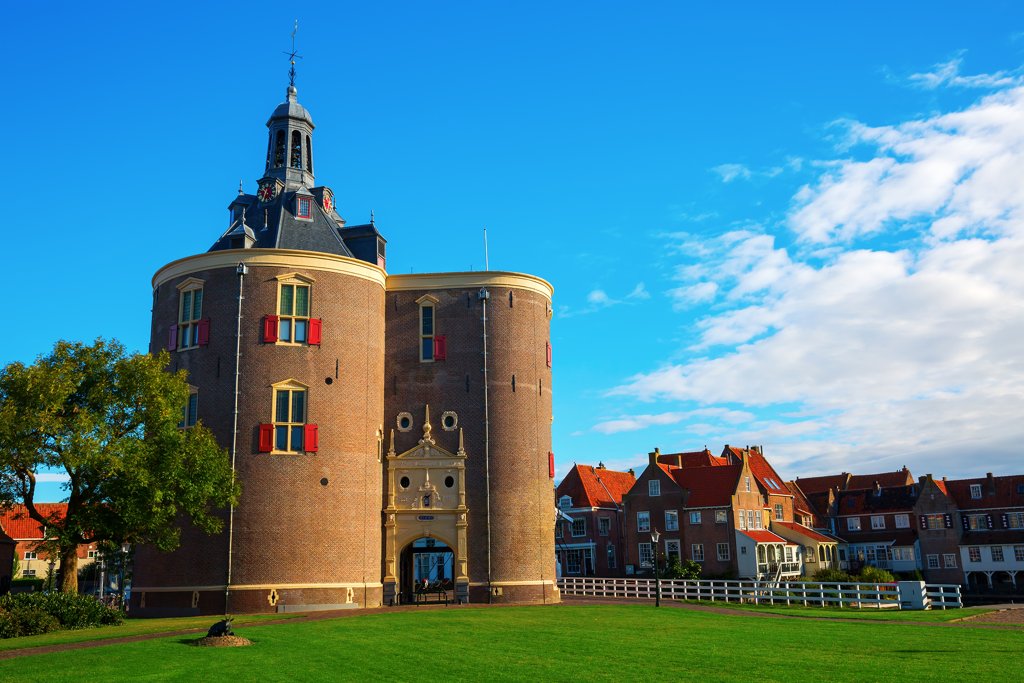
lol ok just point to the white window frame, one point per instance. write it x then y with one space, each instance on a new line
582 522
949 560
1018 553
643 521
645 551
742 518
903 521
672 547
974 553
721 517
877 521
997 549
976 491
853 523
695 517
779 514
653 488
697 552
671 520
31 555
746 483
723 552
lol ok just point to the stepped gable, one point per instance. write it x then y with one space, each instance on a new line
996 492
708 486
590 486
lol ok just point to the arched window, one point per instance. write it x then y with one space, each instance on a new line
309 154
296 159
279 150
270 149
821 553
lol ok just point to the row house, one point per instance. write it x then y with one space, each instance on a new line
30 540
877 525
719 511
589 538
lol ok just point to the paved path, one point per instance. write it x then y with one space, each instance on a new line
1005 616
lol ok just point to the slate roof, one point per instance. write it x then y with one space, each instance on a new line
708 486
889 499
999 492
19 526
805 532
590 486
849 482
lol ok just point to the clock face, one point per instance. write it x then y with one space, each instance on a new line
266 192
328 202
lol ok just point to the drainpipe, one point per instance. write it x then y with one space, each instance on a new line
242 269
484 295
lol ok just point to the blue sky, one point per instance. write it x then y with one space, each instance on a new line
792 224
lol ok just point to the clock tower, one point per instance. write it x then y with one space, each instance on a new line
290 144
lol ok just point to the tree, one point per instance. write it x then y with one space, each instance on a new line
687 569
110 421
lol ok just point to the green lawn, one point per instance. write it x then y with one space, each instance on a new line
554 643
131 627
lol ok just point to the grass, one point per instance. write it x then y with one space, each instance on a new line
866 614
566 642
131 627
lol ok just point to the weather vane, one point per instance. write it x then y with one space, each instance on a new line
292 56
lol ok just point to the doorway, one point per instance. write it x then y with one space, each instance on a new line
426 563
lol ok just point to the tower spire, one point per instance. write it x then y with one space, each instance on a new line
292 56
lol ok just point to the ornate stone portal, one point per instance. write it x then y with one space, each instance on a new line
426 494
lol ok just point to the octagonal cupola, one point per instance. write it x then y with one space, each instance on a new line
290 143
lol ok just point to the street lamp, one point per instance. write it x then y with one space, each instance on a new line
657 572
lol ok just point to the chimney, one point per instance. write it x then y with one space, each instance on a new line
631 472
679 459
991 483
600 465
653 457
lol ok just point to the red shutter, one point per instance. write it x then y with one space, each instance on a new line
315 329
266 438
440 347
269 329
547 351
551 465
172 338
311 439
204 332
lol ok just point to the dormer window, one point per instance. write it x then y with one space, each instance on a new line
975 491
304 207
565 502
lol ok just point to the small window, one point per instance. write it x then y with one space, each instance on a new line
877 521
565 502
746 483
91 555
974 553
289 418
190 411
604 525
646 555
721 517
1018 553
28 573
723 552
778 512
695 517
611 556
949 560
579 526
697 552
654 487
293 312
427 329
404 422
975 491
671 520
31 555
853 523
449 421
303 207
933 562
643 521
903 521
672 552
997 553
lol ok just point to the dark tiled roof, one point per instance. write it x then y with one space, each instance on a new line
889 499
1011 536
702 458
590 486
895 536
999 492
850 482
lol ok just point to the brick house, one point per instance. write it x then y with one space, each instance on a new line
877 525
30 536
593 543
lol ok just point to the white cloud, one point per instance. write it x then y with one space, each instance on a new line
887 355
948 74
731 172
598 299
634 423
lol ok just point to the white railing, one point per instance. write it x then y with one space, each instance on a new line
804 593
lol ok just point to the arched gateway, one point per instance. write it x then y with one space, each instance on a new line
426 494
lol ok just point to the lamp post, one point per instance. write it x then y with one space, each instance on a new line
657 572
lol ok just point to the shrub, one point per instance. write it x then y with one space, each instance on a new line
72 611
832 576
26 621
871 574
32 584
688 569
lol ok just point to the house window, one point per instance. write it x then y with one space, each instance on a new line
936 522
91 555
671 520
902 521
303 207
975 491
31 555
191 330
565 502
646 555
853 523
604 525
697 552
289 418
723 552
190 411
558 529
933 562
905 554
643 521
789 553
293 312
611 556
974 553
778 511
997 553
654 487
742 518
721 516
426 331
672 551
695 517
877 521
977 522
574 561
28 573
753 519
1015 520
746 482
1018 553
579 526
949 560
809 555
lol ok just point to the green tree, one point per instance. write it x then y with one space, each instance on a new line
109 420
687 569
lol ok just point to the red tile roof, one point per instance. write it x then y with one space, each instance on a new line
762 536
999 492
766 474
800 502
811 485
19 526
708 486
807 533
590 486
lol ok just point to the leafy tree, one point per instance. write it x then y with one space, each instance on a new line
110 421
687 569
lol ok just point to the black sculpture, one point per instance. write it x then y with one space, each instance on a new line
221 628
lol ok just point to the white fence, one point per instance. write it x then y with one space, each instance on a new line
805 593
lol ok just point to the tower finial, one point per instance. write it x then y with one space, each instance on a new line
240 190
292 56
371 216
